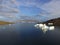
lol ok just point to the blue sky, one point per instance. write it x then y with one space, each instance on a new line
46 9
31 9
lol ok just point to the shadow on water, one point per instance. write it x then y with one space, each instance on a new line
27 34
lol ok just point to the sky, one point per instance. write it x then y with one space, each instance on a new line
46 9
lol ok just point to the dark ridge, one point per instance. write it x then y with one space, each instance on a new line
56 21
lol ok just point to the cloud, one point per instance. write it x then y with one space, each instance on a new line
49 8
9 10
29 3
52 8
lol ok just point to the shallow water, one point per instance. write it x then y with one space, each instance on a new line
27 34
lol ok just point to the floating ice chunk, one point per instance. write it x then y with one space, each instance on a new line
51 28
41 25
45 28
50 23
37 25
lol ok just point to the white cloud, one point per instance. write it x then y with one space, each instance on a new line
50 9
7 10
29 3
53 8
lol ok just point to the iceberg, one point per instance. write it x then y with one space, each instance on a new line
44 27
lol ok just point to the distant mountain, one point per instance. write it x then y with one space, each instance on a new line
55 21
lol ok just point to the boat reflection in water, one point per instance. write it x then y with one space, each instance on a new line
44 27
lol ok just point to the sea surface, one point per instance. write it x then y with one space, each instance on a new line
27 34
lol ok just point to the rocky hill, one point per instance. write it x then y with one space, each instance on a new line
55 22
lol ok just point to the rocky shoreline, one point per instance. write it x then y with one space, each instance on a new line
4 23
56 22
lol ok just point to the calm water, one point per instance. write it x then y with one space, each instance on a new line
27 34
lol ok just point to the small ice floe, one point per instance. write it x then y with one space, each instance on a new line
41 25
51 28
37 25
50 23
44 27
